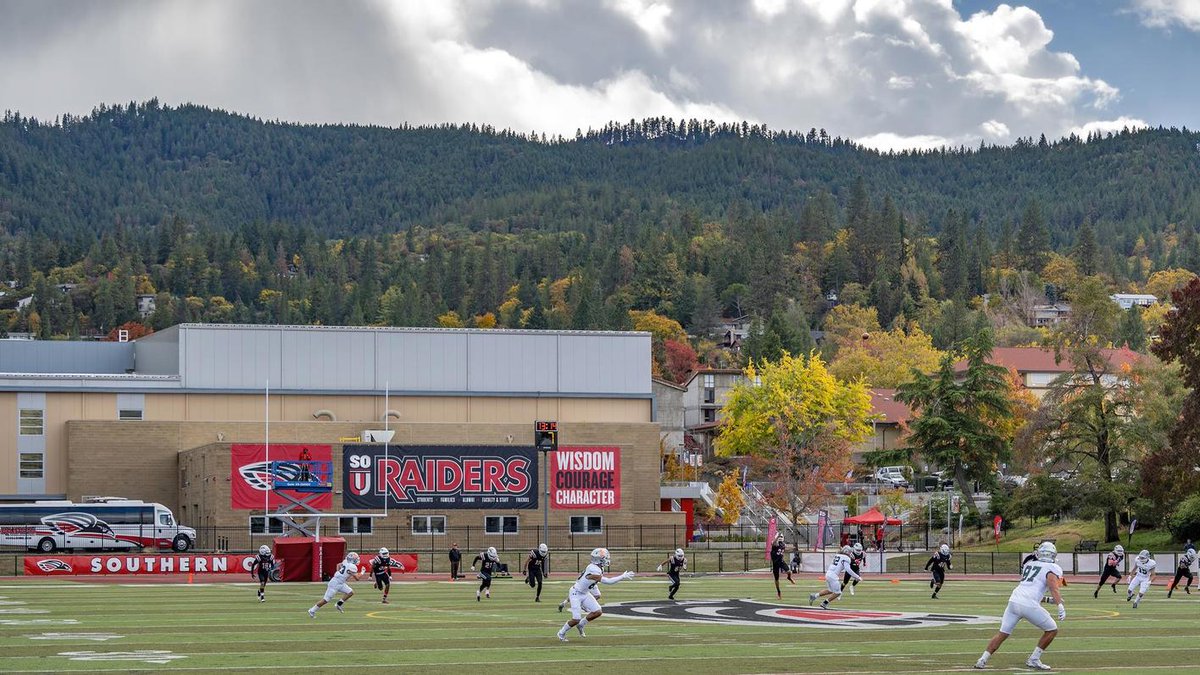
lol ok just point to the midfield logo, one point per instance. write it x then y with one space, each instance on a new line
752 613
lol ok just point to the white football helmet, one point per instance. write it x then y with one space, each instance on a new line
944 549
1046 552
352 558
543 549
383 553
1119 549
779 537
491 553
600 557
678 553
264 549
1143 556
846 551
858 547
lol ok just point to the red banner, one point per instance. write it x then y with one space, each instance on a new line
585 478
996 523
250 475
81 565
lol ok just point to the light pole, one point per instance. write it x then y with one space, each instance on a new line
545 439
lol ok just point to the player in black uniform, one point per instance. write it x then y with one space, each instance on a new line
535 569
263 563
382 566
1112 568
487 561
938 563
1184 569
778 549
675 563
858 560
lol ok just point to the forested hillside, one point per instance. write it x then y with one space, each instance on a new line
226 218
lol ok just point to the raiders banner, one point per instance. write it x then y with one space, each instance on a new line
439 477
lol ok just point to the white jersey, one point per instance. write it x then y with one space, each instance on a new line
839 566
1033 585
344 570
1142 570
583 584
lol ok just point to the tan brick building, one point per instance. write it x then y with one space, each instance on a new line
155 420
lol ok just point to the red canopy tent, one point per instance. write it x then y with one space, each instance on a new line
872 516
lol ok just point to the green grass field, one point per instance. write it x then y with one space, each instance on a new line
439 627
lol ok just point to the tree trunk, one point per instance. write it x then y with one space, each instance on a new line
1111 533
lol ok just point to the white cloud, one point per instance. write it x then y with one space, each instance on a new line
891 73
1106 126
1166 13
995 130
888 141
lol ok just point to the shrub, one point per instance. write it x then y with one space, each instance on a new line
1184 523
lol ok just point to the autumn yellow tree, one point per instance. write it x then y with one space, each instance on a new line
887 359
803 421
1161 283
729 497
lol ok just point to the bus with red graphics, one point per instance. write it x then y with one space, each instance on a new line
103 523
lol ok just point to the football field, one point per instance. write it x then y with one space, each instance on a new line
723 625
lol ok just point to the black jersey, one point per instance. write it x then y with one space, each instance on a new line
777 551
262 563
939 561
1114 559
858 558
675 565
1187 560
382 567
537 562
486 565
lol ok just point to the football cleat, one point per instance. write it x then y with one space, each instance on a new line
312 613
980 664
562 637
340 610
851 590
812 597
1036 664
385 601
560 607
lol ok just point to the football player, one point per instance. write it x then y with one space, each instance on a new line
263 563
382 566
833 578
1038 578
582 599
535 569
1142 577
1184 569
347 571
778 549
675 563
487 561
938 563
1112 568
858 560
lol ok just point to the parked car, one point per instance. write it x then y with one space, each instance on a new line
892 476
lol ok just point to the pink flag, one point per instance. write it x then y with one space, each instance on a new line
996 523
770 538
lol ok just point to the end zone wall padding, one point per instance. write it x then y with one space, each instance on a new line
326 556
295 555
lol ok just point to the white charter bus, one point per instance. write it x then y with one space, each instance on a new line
96 524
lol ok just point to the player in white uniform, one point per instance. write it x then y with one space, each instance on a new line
1142 577
582 599
346 570
833 578
1037 578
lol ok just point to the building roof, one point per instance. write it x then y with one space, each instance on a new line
712 371
666 383
883 402
1042 360
341 360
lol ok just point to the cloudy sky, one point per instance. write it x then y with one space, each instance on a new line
889 73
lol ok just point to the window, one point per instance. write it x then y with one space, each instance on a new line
710 415
500 525
124 415
164 519
32 421
32 465
587 524
355 525
710 391
429 524
256 525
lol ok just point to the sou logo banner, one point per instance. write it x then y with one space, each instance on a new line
585 478
250 476
439 476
